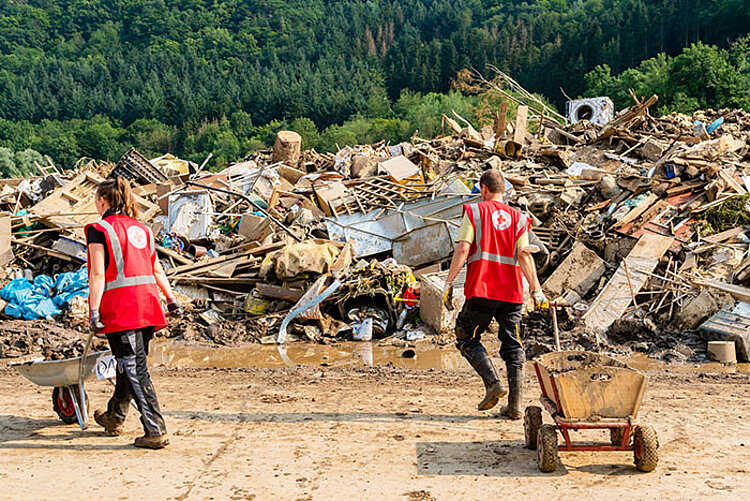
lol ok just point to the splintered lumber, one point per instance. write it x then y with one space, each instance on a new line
637 211
628 280
736 291
173 255
622 120
211 263
501 121
724 235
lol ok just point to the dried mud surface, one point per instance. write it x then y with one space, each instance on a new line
364 433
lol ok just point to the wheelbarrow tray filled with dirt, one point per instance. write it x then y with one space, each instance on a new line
589 386
589 391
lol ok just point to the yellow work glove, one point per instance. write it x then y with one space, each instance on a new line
540 300
448 296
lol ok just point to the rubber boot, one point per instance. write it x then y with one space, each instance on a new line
515 383
482 364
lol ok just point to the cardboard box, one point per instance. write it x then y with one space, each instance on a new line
255 228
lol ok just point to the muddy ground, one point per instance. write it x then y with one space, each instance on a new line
345 431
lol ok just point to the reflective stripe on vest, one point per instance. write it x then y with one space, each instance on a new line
121 280
488 256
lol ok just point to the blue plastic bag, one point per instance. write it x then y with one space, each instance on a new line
43 285
44 297
38 307
13 310
63 300
11 287
72 281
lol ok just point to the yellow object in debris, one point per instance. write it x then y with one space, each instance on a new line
255 305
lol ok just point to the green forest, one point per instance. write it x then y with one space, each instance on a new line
94 77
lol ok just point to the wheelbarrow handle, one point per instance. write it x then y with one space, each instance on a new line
553 310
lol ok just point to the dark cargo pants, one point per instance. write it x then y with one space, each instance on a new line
474 319
133 381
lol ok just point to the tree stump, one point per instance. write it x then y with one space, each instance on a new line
287 148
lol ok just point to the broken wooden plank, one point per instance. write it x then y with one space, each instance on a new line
174 255
501 121
736 291
580 270
204 264
278 292
724 235
615 297
731 181
46 250
637 211
519 132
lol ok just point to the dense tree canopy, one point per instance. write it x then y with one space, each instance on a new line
93 76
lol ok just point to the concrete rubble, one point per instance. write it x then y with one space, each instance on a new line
641 224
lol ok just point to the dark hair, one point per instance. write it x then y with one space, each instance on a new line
118 194
493 180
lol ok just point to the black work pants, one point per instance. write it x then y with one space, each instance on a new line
474 319
133 381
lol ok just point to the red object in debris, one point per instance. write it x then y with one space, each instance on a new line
411 298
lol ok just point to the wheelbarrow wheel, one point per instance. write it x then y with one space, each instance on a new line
532 421
645 448
62 403
546 445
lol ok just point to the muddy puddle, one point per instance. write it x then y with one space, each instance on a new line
170 354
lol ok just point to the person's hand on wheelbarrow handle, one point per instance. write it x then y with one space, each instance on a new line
540 300
95 321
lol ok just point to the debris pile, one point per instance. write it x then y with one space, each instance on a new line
639 220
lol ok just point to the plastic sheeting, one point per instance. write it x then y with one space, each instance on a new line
45 297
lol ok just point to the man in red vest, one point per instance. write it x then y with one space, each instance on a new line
494 239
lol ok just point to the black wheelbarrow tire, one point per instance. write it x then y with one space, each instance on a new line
62 403
547 448
532 421
645 448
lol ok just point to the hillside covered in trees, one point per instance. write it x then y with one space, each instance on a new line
93 77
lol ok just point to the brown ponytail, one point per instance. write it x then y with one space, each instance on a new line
118 194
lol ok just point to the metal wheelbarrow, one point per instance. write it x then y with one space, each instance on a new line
588 391
67 377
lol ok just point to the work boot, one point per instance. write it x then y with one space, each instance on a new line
110 425
482 364
152 441
515 383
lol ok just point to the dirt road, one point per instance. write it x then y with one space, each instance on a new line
363 433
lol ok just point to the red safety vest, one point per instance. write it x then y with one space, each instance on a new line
131 299
493 271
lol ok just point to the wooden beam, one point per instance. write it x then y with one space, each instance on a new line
277 292
519 134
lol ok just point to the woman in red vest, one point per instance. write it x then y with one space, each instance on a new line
124 304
